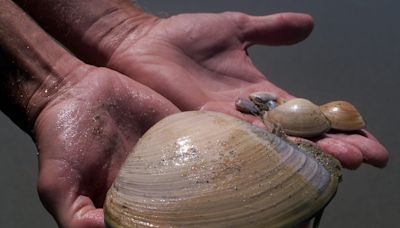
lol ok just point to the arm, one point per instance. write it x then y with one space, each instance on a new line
31 76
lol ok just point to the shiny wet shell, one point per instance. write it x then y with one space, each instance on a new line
298 117
206 169
343 116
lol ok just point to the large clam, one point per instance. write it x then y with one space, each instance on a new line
206 169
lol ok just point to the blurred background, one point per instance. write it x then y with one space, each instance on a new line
353 54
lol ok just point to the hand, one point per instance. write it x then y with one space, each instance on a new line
199 61
83 136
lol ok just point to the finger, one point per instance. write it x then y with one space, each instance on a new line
60 195
373 152
86 214
276 29
349 156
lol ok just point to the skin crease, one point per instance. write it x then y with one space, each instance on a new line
185 62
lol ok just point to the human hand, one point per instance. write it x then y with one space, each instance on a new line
83 128
83 136
199 61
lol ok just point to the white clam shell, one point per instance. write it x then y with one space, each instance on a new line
206 169
298 117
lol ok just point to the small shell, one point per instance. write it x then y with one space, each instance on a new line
262 98
343 116
207 169
298 117
246 106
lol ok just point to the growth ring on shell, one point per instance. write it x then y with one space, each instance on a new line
206 169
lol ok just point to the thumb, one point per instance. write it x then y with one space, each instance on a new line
65 200
275 29
85 214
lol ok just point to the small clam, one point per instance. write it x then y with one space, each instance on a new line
343 116
298 117
246 106
262 98
207 169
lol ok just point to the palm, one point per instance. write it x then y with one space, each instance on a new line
84 136
191 63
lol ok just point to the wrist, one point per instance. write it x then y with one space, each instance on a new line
105 35
33 70
24 94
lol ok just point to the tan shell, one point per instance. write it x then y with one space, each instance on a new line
206 169
343 116
298 117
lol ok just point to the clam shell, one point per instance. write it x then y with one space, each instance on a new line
261 98
343 116
298 117
246 106
207 169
